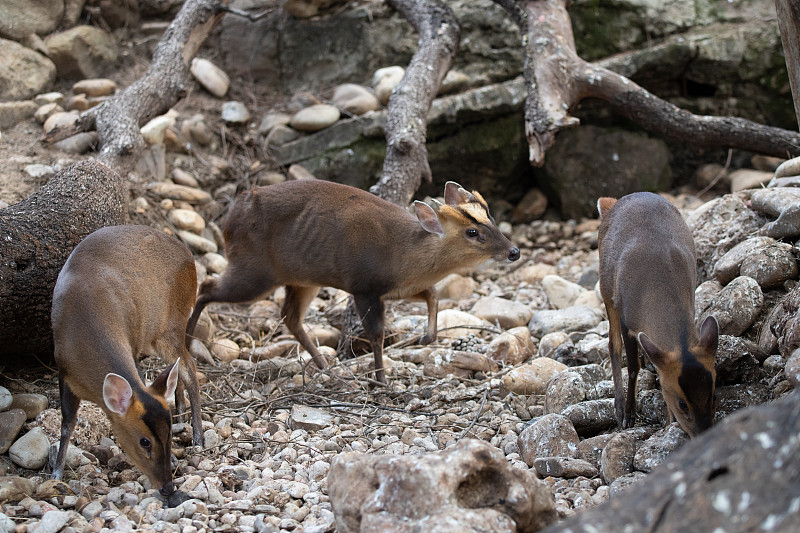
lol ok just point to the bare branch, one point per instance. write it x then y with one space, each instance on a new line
406 163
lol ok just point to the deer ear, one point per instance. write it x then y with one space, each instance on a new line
117 393
604 205
709 334
428 218
167 381
455 194
656 356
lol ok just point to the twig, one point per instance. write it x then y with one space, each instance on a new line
477 415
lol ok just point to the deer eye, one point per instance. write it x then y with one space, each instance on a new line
144 442
682 405
472 233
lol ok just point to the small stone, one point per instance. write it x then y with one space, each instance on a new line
235 113
153 131
78 102
32 404
280 135
210 76
562 390
14 489
564 467
46 111
385 80
354 99
214 263
309 418
560 292
77 144
592 416
181 177
617 457
53 521
566 320
49 98
198 243
532 377
200 352
225 350
60 120
534 273
532 206
453 323
315 118
658 447
746 178
95 87
454 81
30 451
511 347
187 219
5 400
548 436
505 313
180 192
196 129
271 120
551 341
38 172
11 423
456 287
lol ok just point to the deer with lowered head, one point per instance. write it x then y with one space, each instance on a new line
309 234
647 280
126 292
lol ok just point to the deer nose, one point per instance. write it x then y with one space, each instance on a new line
513 254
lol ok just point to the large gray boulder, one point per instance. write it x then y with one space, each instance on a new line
469 487
741 475
23 72
21 18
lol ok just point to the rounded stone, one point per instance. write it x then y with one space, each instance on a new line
210 76
5 399
225 350
187 219
315 117
30 451
235 113
95 87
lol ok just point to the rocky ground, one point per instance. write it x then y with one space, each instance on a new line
521 361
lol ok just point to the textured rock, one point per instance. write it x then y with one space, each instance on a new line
780 202
503 312
5 399
548 436
32 404
11 423
566 320
560 292
512 347
736 361
453 324
12 113
592 416
658 447
564 389
617 457
14 489
30 450
719 225
354 99
532 377
310 418
23 72
20 18
82 52
469 487
564 467
736 306
764 259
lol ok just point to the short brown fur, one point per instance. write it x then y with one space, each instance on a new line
311 233
647 280
126 292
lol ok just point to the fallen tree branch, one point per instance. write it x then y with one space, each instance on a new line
558 80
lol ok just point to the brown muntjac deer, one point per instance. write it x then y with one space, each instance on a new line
647 279
126 292
309 234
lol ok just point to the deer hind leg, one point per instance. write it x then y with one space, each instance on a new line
632 355
295 305
615 353
370 309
